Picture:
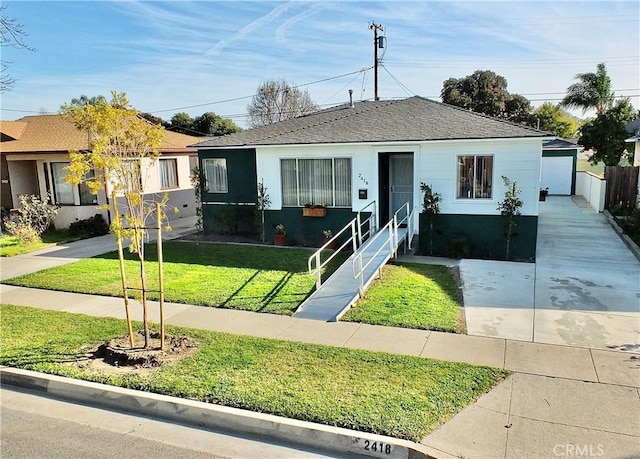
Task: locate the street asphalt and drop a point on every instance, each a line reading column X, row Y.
column 561, row 398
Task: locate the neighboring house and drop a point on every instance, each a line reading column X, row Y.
column 559, row 164
column 350, row 156
column 634, row 129
column 34, row 152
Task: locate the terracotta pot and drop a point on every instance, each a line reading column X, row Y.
column 279, row 239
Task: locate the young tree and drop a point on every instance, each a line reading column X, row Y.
column 121, row 141
column 277, row 100
column 606, row 134
column 509, row 208
column 593, row 90
column 431, row 207
column 11, row 34
column 262, row 204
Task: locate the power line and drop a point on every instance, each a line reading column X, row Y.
column 251, row 96
column 402, row 85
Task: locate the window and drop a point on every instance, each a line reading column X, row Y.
column 318, row 181
column 475, row 177
column 62, row 190
column 86, row 197
column 215, row 171
column 168, row 173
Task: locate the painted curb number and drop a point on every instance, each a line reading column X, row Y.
column 373, row 448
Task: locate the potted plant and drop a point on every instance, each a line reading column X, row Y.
column 328, row 234
column 314, row 210
column 279, row 234
column 544, row 193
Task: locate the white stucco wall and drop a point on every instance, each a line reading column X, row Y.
column 435, row 163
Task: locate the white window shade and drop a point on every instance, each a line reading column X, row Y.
column 215, row 170
column 316, row 181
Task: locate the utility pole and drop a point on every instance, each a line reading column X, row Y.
column 375, row 27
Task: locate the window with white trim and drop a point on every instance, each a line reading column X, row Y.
column 475, row 177
column 215, row 171
column 316, row 181
column 62, row 190
column 168, row 173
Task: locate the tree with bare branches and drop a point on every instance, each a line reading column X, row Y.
column 277, row 100
column 12, row 34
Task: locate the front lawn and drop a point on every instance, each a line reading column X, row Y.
column 263, row 279
column 400, row 396
column 9, row 245
column 410, row 295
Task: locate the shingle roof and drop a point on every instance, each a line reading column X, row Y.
column 560, row 144
column 51, row 133
column 412, row 119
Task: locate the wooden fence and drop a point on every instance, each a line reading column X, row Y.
column 622, row 187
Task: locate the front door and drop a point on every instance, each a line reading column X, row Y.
column 395, row 176
column 400, row 182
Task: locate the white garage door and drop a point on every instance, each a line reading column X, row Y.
column 556, row 174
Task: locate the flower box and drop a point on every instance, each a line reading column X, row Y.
column 314, row 211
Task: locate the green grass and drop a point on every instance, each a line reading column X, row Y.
column 263, row 279
column 412, row 296
column 400, row 396
column 10, row 247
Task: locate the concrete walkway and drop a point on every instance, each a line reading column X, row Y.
column 557, row 399
column 583, row 290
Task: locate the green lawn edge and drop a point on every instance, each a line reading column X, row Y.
column 400, row 396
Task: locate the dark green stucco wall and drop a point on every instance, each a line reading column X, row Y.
column 241, row 175
column 219, row 208
column 478, row 236
column 307, row 231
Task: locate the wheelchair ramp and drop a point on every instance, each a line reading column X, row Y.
column 333, row 298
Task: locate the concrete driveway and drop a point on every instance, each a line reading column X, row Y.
column 583, row 290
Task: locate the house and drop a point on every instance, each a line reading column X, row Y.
column 34, row 152
column 633, row 128
column 559, row 164
column 375, row 155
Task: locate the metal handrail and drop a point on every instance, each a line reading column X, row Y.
column 392, row 239
column 391, row 227
column 355, row 240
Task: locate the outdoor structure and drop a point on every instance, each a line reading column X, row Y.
column 558, row 169
column 34, row 152
column 374, row 155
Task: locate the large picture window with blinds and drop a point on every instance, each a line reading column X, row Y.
column 215, row 171
column 475, row 177
column 316, row 181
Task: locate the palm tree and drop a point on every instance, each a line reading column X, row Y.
column 593, row 90
column 84, row 100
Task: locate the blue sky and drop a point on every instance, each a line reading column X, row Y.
column 188, row 56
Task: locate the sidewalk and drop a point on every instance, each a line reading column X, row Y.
column 559, row 397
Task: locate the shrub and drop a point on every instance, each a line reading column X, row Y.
column 33, row 218
column 24, row 233
column 92, row 226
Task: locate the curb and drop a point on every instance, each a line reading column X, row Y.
column 626, row 239
column 226, row 419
